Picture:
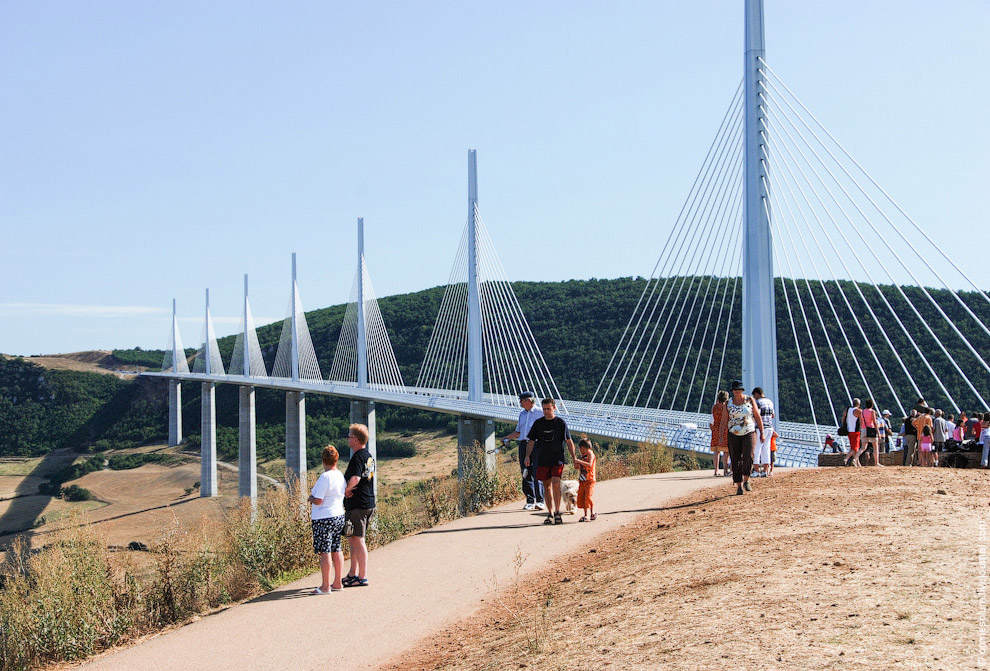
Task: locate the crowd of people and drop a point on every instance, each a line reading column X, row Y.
column 342, row 504
column 921, row 436
column 743, row 435
column 743, row 440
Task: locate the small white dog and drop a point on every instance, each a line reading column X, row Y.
column 568, row 494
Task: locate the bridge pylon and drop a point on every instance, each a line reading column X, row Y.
column 175, row 361
column 208, row 363
column 474, row 432
column 363, row 412
column 759, row 315
column 247, row 434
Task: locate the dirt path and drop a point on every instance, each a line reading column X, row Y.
column 418, row 586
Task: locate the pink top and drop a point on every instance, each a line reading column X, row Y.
column 869, row 420
column 957, row 434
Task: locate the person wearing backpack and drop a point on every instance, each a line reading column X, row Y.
column 910, row 434
column 850, row 421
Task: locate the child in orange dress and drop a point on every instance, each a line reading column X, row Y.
column 586, row 481
column 773, row 452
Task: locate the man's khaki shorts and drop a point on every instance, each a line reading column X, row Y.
column 359, row 517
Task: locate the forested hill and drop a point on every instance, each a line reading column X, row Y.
column 577, row 325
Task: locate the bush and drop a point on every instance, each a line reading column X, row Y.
column 395, row 448
column 76, row 493
column 64, row 603
column 73, row 472
column 274, row 542
column 123, row 462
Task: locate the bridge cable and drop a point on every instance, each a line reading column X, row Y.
column 883, row 298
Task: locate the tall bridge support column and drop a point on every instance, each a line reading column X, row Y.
column 174, row 412
column 759, row 316
column 247, row 446
column 474, row 434
column 363, row 412
column 295, row 440
column 208, row 484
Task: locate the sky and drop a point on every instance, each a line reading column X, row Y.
column 152, row 150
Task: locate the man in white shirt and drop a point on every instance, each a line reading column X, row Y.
column 532, row 488
column 761, row 451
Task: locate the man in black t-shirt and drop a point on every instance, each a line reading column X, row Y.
column 359, row 502
column 550, row 434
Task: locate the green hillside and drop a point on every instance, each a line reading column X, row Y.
column 577, row 325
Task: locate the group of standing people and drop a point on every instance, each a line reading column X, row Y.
column 343, row 504
column 923, row 433
column 742, row 430
column 543, row 437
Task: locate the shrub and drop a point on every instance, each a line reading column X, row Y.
column 73, row 472
column 275, row 541
column 123, row 462
column 395, row 448
column 64, row 603
column 439, row 498
column 76, row 493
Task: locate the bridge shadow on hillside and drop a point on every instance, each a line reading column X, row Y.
column 26, row 504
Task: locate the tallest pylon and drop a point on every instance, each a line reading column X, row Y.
column 759, row 321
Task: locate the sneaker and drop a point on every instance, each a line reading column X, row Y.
column 747, row 486
column 529, row 506
column 739, row 490
column 539, row 505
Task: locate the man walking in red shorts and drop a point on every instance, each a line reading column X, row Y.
column 550, row 434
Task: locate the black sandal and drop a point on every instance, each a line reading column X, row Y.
column 548, row 520
column 349, row 580
column 557, row 519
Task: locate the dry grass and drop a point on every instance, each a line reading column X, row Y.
column 76, row 596
column 822, row 569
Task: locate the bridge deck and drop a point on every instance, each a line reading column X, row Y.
column 798, row 444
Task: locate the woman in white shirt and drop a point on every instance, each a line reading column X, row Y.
column 327, row 515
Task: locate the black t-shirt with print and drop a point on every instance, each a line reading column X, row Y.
column 362, row 464
column 549, row 435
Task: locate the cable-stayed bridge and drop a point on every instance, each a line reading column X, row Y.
column 785, row 251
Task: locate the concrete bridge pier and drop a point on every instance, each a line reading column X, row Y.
column 247, row 446
column 208, row 483
column 363, row 412
column 174, row 412
column 473, row 432
column 295, row 440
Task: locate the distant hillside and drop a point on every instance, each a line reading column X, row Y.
column 576, row 323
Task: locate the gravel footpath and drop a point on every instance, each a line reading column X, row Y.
column 418, row 585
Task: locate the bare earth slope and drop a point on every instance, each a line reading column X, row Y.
column 95, row 361
column 818, row 569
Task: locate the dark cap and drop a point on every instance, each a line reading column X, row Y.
column 737, row 385
column 526, row 394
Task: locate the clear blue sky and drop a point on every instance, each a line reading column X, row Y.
column 150, row 150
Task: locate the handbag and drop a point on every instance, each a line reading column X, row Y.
column 843, row 429
column 348, row 528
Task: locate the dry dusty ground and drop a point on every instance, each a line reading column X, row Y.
column 132, row 505
column 137, row 504
column 436, row 455
column 97, row 361
column 817, row 569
